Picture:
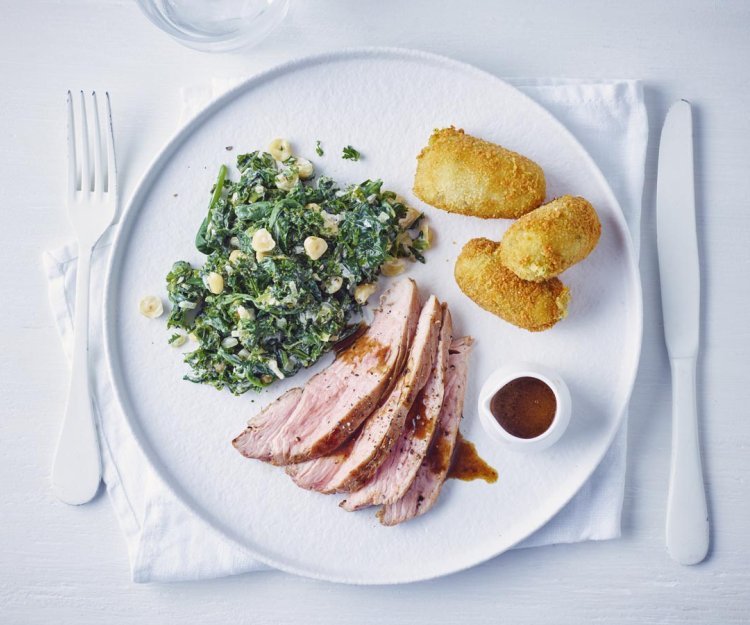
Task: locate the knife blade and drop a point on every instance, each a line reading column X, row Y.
column 676, row 237
column 679, row 270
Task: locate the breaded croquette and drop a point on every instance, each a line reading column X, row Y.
column 462, row 174
column 534, row 306
column 545, row 242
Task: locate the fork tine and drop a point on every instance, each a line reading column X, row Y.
column 85, row 163
column 111, row 163
column 72, row 165
column 98, row 158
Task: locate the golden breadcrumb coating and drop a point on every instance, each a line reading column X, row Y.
column 462, row 174
column 531, row 305
column 545, row 242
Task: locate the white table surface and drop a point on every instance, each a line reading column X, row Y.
column 69, row 565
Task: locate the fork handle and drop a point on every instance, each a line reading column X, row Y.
column 77, row 467
column 687, row 513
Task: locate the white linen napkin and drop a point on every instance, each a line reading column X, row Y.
column 166, row 542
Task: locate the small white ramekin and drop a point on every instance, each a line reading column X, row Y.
column 503, row 376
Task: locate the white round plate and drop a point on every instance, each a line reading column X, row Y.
column 385, row 103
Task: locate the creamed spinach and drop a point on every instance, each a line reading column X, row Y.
column 259, row 316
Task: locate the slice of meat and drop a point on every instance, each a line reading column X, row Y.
column 317, row 474
column 334, row 402
column 394, row 476
column 425, row 488
column 350, row 467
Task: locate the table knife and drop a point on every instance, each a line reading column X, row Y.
column 687, row 514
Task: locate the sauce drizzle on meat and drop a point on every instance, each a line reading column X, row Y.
column 364, row 346
column 347, row 342
column 418, row 421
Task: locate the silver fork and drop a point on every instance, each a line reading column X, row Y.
column 92, row 204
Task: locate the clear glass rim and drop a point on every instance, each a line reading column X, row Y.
column 273, row 17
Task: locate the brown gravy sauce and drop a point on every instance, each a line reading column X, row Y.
column 363, row 346
column 417, row 420
column 346, row 343
column 467, row 464
column 525, row 407
column 439, row 454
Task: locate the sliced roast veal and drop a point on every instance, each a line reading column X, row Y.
column 317, row 474
column 425, row 488
column 350, row 467
column 332, row 405
column 394, row 476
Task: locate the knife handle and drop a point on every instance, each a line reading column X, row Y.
column 687, row 514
